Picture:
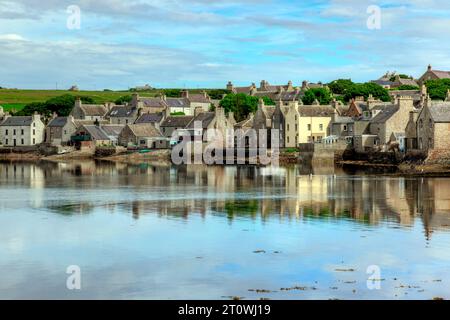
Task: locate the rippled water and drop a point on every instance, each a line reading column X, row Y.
column 157, row 232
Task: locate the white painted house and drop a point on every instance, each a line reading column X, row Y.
column 22, row 131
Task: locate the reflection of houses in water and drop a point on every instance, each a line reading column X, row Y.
column 28, row 174
column 246, row 192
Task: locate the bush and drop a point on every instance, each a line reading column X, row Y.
column 321, row 94
column 366, row 89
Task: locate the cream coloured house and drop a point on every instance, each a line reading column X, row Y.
column 306, row 124
column 22, row 131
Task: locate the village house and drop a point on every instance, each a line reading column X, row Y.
column 154, row 119
column 186, row 104
column 60, row 130
column 307, row 124
column 22, row 131
column 96, row 135
column 123, row 115
column 210, row 120
column 89, row 112
column 431, row 74
column 411, row 131
column 399, row 81
column 174, row 123
column 143, row 135
column 433, row 126
column 391, row 119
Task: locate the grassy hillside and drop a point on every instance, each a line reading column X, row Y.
column 8, row 96
column 16, row 99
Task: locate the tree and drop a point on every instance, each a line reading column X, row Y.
column 217, row 94
column 268, row 101
column 172, row 93
column 407, row 87
column 322, row 95
column 340, row 86
column 61, row 105
column 240, row 104
column 437, row 89
column 366, row 89
column 123, row 100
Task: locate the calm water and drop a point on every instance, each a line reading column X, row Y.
column 157, row 232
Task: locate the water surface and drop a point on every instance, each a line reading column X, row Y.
column 197, row 232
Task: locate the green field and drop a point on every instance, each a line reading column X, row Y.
column 16, row 99
column 11, row 96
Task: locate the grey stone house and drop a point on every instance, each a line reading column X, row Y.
column 433, row 126
column 60, row 130
column 431, row 74
column 152, row 118
column 123, row 115
column 173, row 123
column 143, row 135
column 89, row 112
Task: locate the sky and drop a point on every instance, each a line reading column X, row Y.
column 206, row 43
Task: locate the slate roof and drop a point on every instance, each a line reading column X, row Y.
column 385, row 114
column 315, row 111
column 178, row 102
column 153, row 102
column 383, row 82
column 93, row 110
column 177, row 121
column 440, row 111
column 58, row 122
column 17, row 121
column 96, row 132
column 409, row 82
column 204, row 117
column 144, row 130
column 122, row 112
column 441, row 74
column 199, row 98
column 150, row 118
column 112, row 129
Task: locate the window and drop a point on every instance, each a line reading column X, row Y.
column 22, row 141
column 34, row 124
column 287, row 139
column 345, row 128
column 126, row 121
column 65, row 131
column 288, row 127
column 14, row 132
column 296, row 127
column 22, row 132
column 34, row 132
column 7, row 142
column 309, row 127
column 6, row 132
column 34, row 141
column 321, row 127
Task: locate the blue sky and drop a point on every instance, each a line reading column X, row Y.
column 205, row 43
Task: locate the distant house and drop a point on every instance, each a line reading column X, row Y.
column 142, row 135
column 60, row 130
column 91, row 112
column 433, row 125
column 431, row 74
column 123, row 115
column 144, row 88
column 22, row 131
column 399, row 81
